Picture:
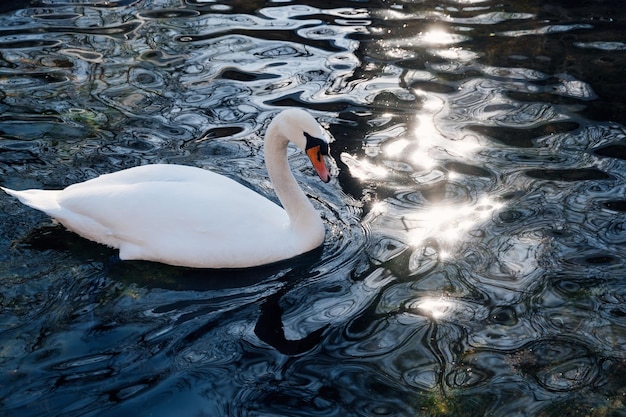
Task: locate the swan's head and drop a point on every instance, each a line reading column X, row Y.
column 303, row 130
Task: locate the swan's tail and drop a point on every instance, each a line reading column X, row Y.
column 44, row 200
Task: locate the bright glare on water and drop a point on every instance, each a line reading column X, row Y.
column 475, row 255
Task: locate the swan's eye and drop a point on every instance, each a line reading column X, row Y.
column 313, row 142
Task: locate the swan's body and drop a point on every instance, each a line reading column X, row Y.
column 186, row 216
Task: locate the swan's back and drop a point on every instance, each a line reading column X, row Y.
column 172, row 214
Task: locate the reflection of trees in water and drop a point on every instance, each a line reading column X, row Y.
column 493, row 216
column 495, row 113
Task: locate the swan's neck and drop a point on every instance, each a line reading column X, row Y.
column 303, row 216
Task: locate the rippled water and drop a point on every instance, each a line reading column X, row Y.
column 475, row 257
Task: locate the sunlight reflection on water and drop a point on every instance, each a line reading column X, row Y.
column 475, row 249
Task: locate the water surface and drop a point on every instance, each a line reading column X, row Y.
column 475, row 254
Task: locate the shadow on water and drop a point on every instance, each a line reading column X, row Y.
column 154, row 275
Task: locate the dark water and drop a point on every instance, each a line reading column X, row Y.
column 476, row 250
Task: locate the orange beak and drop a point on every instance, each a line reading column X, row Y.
column 315, row 155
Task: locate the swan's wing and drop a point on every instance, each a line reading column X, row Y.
column 174, row 214
column 149, row 173
column 174, row 217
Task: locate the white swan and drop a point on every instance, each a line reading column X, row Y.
column 186, row 216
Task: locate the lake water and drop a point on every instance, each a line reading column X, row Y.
column 476, row 248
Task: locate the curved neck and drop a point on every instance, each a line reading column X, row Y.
column 301, row 212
